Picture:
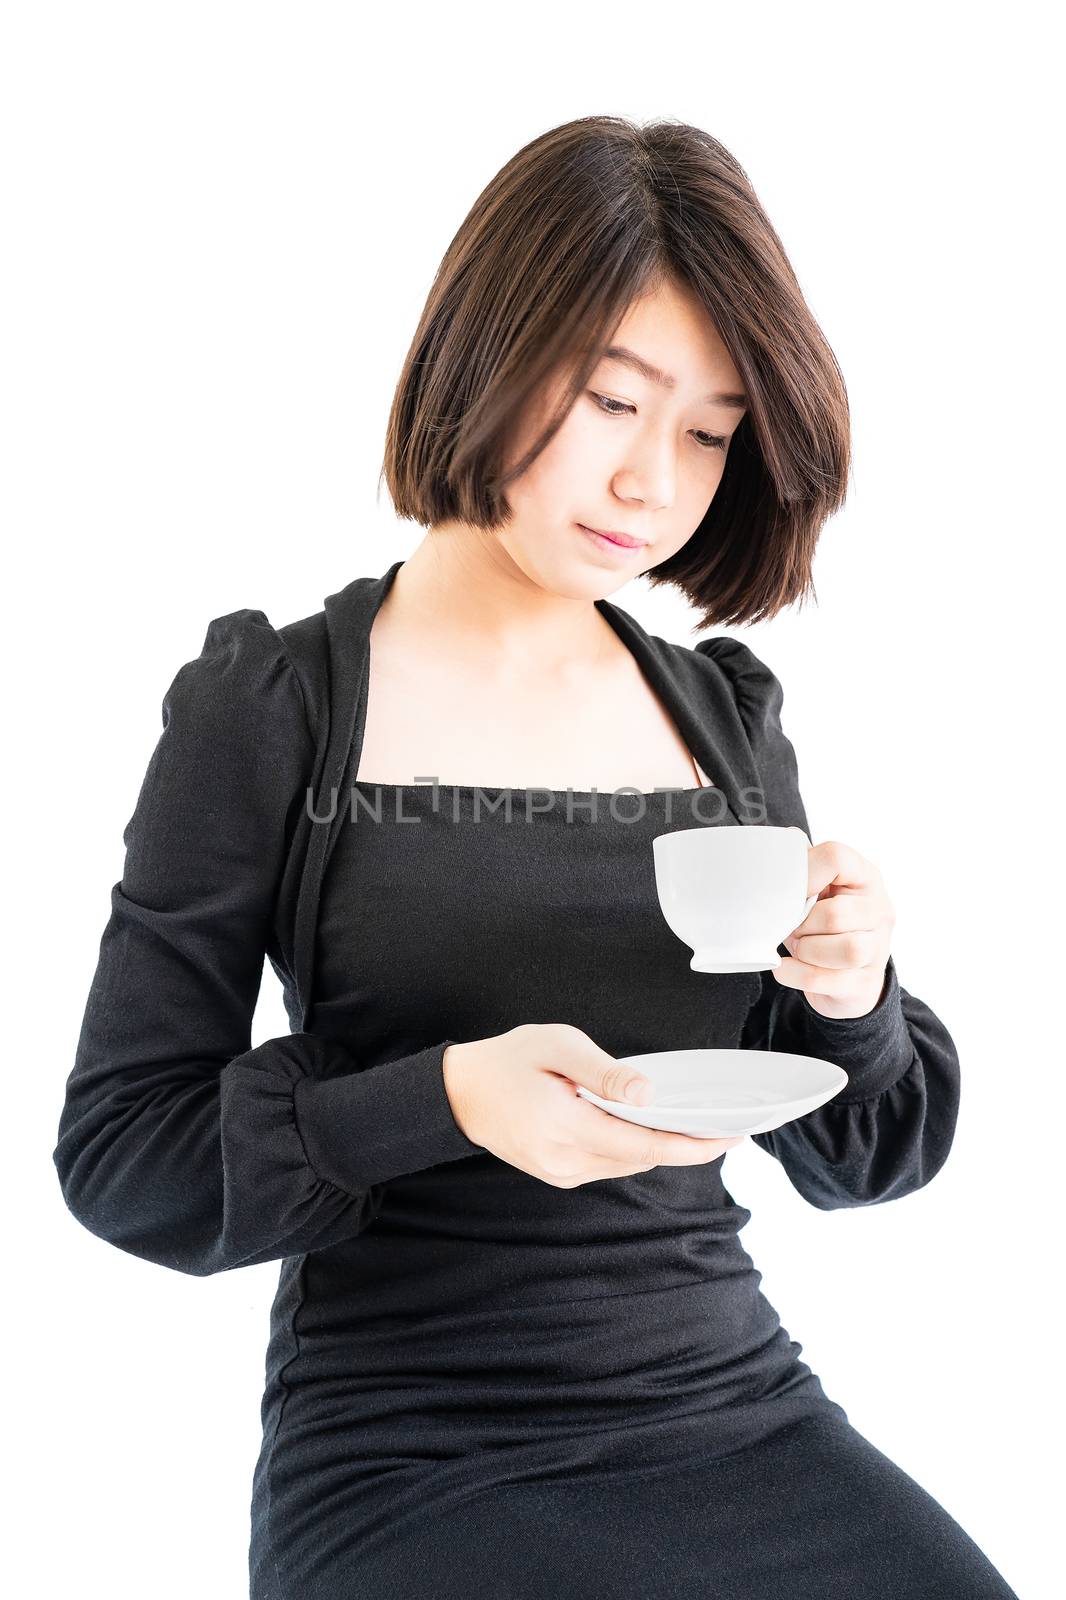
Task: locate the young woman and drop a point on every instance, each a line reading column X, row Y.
column 517, row 1347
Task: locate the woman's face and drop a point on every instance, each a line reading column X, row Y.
column 634, row 455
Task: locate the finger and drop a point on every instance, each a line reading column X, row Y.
column 844, row 913
column 616, row 1140
column 704, row 1151
column 836, row 983
column 838, row 864
column 833, row 950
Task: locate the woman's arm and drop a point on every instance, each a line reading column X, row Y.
column 178, row 1142
column 890, row 1129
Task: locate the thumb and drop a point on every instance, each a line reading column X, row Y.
column 593, row 1068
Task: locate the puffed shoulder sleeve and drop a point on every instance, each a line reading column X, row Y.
column 759, row 698
column 178, row 1142
column 890, row 1129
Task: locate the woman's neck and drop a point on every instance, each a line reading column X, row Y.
column 461, row 593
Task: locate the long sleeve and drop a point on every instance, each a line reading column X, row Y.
column 178, row 1143
column 890, row 1129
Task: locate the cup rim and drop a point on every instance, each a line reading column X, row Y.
column 756, row 827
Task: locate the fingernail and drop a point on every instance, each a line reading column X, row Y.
column 633, row 1088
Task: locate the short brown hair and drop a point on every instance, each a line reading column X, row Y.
column 577, row 225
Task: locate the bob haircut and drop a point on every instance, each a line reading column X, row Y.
column 581, row 222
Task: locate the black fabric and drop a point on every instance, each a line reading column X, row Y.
column 812, row 1512
column 446, row 1327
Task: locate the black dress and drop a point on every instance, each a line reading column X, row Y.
column 475, row 1378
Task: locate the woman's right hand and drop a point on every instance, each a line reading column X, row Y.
column 515, row 1094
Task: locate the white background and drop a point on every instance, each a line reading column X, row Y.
column 221, row 223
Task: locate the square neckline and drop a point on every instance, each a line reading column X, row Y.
column 701, row 704
column 362, row 708
column 529, row 788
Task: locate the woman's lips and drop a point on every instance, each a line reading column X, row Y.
column 616, row 541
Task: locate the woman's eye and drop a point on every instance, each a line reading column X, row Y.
column 710, row 441
column 604, row 401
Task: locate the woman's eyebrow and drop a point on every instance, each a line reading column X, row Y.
column 654, row 374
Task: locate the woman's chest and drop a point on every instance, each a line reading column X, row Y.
column 452, row 915
column 460, row 728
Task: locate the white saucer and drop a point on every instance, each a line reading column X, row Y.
column 716, row 1094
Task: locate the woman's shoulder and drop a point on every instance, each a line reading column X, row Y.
column 755, row 686
column 306, row 664
column 725, row 669
column 723, row 673
column 252, row 680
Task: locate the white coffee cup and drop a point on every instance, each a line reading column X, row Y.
column 733, row 893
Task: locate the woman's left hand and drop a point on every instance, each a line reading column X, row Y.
column 840, row 950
